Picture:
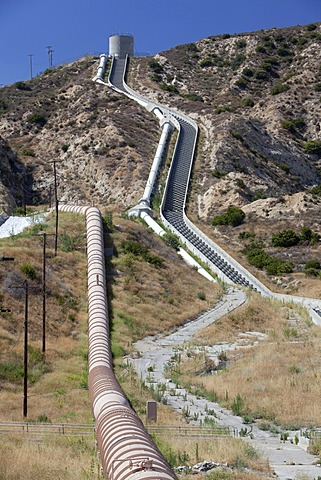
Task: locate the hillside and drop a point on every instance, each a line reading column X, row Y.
column 256, row 99
column 94, row 135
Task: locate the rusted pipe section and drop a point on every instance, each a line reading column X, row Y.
column 127, row 451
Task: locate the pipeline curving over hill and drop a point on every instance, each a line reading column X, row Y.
column 127, row 452
column 174, row 199
column 172, row 209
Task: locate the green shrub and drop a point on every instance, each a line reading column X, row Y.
column 307, row 235
column 171, row 240
column 246, row 235
column 284, row 51
column 156, row 78
column 117, row 350
column 257, row 257
column 285, row 238
column 261, row 75
column 240, row 44
column 237, row 406
column 191, row 47
column 169, row 88
column 284, row 167
column 218, row 174
column 37, row 119
column 22, row 86
column 132, row 246
column 194, row 97
column 241, row 83
column 153, row 259
column 28, row 270
column 316, row 190
column 311, row 27
column 278, row 267
column 27, row 153
column 234, row 216
column 312, row 147
column 247, row 102
column 69, row 243
column 279, row 88
column 222, row 109
column 315, row 264
column 207, row 62
column 64, row 147
column 248, row 72
column 107, row 220
column 237, row 61
column 156, row 67
column 139, row 250
column 201, row 296
column 3, row 106
column 294, row 124
column 11, row 372
column 236, row 135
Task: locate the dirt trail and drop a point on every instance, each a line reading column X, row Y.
column 286, row 459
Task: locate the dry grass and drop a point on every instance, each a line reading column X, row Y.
column 239, row 456
column 57, row 392
column 145, row 300
column 22, row 458
column 149, row 299
column 279, row 378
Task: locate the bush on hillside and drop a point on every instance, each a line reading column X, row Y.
column 234, row 216
column 37, row 119
column 285, row 238
column 312, row 147
column 28, row 270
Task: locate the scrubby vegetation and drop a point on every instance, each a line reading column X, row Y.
column 234, row 216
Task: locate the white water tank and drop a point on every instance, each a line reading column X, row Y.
column 121, row 45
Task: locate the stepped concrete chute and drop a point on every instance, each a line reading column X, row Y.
column 174, row 200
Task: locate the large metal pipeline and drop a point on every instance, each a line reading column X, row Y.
column 159, row 155
column 127, row 451
column 101, row 69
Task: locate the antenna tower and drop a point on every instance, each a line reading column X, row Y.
column 50, row 51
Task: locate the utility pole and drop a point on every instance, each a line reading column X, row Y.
column 44, row 288
column 44, row 292
column 50, row 51
column 26, row 288
column 56, row 207
column 30, row 61
column 25, row 356
column 56, row 203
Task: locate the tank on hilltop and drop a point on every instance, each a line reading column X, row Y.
column 121, row 45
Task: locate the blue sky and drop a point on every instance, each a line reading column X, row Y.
column 75, row 28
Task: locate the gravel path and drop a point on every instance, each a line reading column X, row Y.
column 286, row 459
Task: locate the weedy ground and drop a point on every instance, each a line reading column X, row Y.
column 151, row 291
column 276, row 381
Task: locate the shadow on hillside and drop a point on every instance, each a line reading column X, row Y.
column 17, row 180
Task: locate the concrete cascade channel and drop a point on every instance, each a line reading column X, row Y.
column 286, row 459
